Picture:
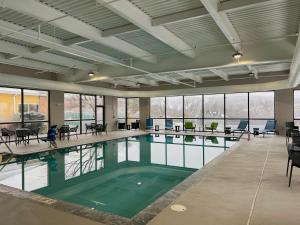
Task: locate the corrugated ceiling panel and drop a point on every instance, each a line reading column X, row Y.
column 156, row 8
column 18, row 42
column 198, row 32
column 89, row 12
column 32, row 23
column 70, row 56
column 147, row 42
column 105, row 50
column 269, row 21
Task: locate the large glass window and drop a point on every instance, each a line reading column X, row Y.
column 297, row 107
column 226, row 109
column 214, row 106
column 82, row 110
column 174, row 107
column 24, row 108
column 236, row 108
column 10, row 104
column 133, row 109
column 261, row 108
column 122, row 110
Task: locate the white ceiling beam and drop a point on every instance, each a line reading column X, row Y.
column 11, row 56
column 130, row 12
column 119, row 30
column 180, row 16
column 31, row 64
column 123, row 83
column 235, row 5
column 220, row 73
column 59, row 19
column 191, row 76
column 25, row 52
column 170, row 80
column 18, row 32
column 294, row 78
column 253, row 70
column 76, row 41
column 223, row 22
column 146, row 81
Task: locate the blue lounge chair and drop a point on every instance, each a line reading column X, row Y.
column 149, row 124
column 169, row 124
column 241, row 127
column 269, row 128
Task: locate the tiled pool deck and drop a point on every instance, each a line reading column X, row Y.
column 246, row 185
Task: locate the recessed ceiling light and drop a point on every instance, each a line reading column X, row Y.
column 237, row 55
column 251, row 74
column 91, row 74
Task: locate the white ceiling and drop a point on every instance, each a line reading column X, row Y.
column 155, row 43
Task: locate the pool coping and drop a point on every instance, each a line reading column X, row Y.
column 142, row 218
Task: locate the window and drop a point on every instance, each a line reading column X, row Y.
column 297, row 107
column 214, row 106
column 81, row 110
column 24, row 108
column 133, row 109
column 122, row 110
column 261, row 108
column 236, row 108
column 157, row 107
column 193, row 111
column 214, row 110
column 174, row 107
column 11, row 105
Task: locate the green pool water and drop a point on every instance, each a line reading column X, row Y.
column 121, row 177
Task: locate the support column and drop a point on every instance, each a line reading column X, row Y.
column 144, row 111
column 57, row 108
column 111, row 112
column 284, row 104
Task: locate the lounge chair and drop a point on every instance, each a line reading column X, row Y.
column 149, row 124
column 189, row 126
column 189, row 138
column 241, row 127
column 169, row 124
column 269, row 128
column 213, row 140
column 213, row 126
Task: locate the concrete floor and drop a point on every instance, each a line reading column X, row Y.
column 245, row 186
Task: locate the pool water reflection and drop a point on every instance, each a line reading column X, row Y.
column 120, row 176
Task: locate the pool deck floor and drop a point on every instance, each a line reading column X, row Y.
column 244, row 186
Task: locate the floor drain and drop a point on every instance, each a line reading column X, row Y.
column 178, row 208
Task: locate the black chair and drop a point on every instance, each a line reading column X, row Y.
column 292, row 147
column 289, row 128
column 22, row 135
column 295, row 157
column 6, row 133
column 121, row 126
column 73, row 130
column 35, row 132
column 135, row 125
column 99, row 128
column 63, row 131
column 91, row 127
